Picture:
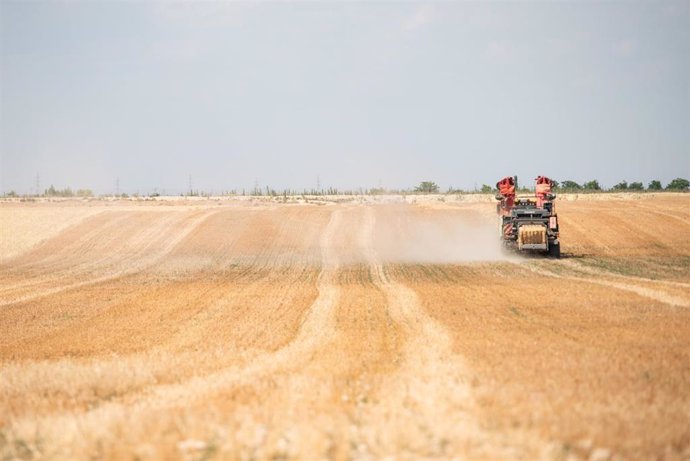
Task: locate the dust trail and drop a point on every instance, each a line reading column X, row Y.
column 413, row 234
column 430, row 394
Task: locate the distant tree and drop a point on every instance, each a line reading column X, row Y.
column 84, row 193
column 654, row 185
column 592, row 185
column 623, row 185
column 636, row 186
column 678, row 184
column 11, row 194
column 555, row 184
column 53, row 192
column 427, row 187
column 570, row 185
column 487, row 189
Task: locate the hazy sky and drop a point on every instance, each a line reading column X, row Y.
column 359, row 94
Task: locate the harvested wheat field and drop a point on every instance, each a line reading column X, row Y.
column 228, row 329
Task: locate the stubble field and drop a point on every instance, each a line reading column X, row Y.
column 256, row 330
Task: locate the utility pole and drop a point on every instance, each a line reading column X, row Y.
column 38, row 185
column 190, row 184
column 318, row 184
column 117, row 186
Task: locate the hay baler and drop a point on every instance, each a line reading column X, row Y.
column 528, row 223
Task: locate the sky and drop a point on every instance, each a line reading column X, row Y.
column 342, row 94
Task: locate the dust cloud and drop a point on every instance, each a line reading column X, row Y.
column 408, row 234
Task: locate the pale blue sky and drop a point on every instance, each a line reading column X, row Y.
column 356, row 93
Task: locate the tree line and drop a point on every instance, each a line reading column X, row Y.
column 424, row 187
column 53, row 192
column 678, row 184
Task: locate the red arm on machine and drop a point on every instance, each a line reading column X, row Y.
column 543, row 190
column 506, row 187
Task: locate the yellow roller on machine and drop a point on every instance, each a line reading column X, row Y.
column 532, row 237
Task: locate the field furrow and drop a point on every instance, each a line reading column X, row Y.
column 62, row 265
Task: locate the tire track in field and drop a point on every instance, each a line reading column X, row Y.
column 649, row 293
column 683, row 221
column 429, row 398
column 66, row 254
column 114, row 267
column 224, row 318
column 571, row 225
column 46, row 262
column 316, row 331
column 599, row 272
column 25, row 228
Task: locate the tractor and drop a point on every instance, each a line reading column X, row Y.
column 528, row 223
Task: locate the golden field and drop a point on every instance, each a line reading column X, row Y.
column 252, row 330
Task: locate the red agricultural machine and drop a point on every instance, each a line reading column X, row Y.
column 528, row 223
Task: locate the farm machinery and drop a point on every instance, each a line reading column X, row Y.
column 528, row 223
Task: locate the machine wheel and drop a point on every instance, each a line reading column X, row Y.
column 555, row 249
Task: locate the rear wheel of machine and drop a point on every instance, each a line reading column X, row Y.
column 555, row 250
